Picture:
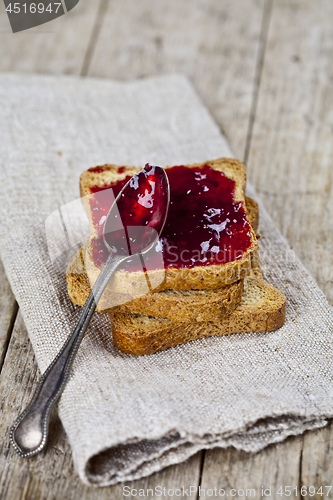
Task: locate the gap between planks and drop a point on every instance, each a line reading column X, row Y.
column 94, row 36
column 267, row 13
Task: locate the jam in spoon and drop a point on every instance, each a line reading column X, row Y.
column 133, row 225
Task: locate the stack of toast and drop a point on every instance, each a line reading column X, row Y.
column 193, row 300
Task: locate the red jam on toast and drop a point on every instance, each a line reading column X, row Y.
column 205, row 226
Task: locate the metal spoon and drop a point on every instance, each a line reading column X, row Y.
column 140, row 210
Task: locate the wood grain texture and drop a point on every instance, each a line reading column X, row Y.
column 50, row 475
column 291, row 153
column 8, row 311
column 290, row 163
column 299, row 461
column 317, row 458
column 59, row 46
column 232, row 469
column 216, row 44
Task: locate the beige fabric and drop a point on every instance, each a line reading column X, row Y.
column 128, row 416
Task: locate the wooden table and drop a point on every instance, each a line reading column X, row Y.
column 264, row 69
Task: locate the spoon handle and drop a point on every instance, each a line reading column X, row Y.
column 29, row 431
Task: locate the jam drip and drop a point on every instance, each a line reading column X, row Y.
column 204, row 225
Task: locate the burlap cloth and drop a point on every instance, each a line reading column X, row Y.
column 128, row 416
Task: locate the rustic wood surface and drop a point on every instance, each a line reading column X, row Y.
column 291, row 153
column 264, row 69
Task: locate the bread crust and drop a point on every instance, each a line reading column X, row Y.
column 188, row 305
column 252, row 212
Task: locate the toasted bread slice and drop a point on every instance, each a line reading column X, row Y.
column 262, row 309
column 134, row 283
column 179, row 305
column 188, row 305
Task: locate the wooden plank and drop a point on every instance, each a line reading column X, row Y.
column 291, row 153
column 59, row 46
column 290, row 163
column 316, row 466
column 254, row 476
column 8, row 311
column 50, row 474
column 183, row 477
column 214, row 43
column 301, row 461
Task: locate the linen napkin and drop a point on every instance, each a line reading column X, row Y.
column 128, row 416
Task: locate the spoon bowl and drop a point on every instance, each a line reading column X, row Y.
column 140, row 211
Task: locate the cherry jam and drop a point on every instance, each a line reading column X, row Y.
column 204, row 225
